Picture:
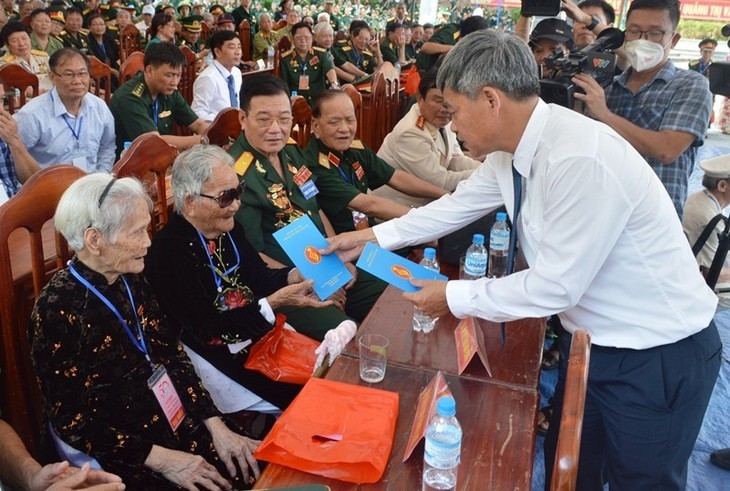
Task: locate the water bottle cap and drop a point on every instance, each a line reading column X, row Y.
column 127, row 145
column 446, row 406
column 501, row 216
column 294, row 93
column 429, row 253
column 478, row 239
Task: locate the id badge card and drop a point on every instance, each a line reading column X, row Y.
column 309, row 189
column 304, row 82
column 167, row 397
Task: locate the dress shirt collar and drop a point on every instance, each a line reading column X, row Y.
column 223, row 69
column 59, row 109
column 527, row 147
column 712, row 198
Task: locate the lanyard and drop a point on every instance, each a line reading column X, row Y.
column 102, row 48
column 304, row 65
column 225, row 77
column 155, row 107
column 334, row 160
column 216, row 276
column 76, row 128
column 358, row 57
column 139, row 344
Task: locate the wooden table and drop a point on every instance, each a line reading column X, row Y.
column 497, row 446
column 518, row 364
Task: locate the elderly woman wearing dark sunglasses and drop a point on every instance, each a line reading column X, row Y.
column 117, row 386
column 209, row 278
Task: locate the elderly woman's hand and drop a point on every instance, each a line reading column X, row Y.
column 234, row 448
column 188, row 471
column 296, row 295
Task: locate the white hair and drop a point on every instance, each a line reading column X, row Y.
column 322, row 27
column 323, row 17
column 80, row 207
column 192, row 168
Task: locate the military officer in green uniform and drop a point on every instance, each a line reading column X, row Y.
column 192, row 26
column 357, row 50
column 74, row 36
column 329, row 10
column 150, row 101
column 346, row 170
column 440, row 43
column 279, row 189
column 307, row 70
column 393, row 46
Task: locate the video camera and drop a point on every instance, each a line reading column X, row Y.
column 596, row 60
column 720, row 72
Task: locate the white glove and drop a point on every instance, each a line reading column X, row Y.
column 334, row 342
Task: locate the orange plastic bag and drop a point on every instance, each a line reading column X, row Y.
column 283, row 355
column 335, row 430
column 412, row 80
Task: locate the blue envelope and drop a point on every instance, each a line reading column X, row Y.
column 301, row 241
column 394, row 269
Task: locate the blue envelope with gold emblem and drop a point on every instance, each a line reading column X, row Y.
column 301, row 240
column 394, row 269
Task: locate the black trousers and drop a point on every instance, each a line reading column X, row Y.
column 643, row 412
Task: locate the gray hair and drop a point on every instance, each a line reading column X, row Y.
column 193, row 168
column 323, row 17
column 262, row 15
column 79, row 207
column 322, row 27
column 488, row 58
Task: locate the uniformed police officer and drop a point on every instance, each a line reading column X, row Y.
column 150, row 101
column 279, row 189
column 307, row 70
column 346, row 170
column 702, row 65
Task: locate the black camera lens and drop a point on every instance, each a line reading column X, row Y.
column 726, row 30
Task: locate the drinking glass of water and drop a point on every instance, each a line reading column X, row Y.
column 373, row 357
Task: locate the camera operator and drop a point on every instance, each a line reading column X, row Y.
column 661, row 110
column 548, row 37
column 590, row 17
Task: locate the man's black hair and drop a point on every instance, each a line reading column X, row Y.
column 672, row 6
column 608, row 10
column 11, row 28
column 262, row 85
column 472, row 24
column 163, row 53
column 219, row 38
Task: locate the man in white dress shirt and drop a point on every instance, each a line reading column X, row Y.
column 218, row 86
column 605, row 251
column 68, row 125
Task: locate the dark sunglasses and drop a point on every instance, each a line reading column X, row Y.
column 225, row 198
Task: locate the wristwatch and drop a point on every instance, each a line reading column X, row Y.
column 594, row 22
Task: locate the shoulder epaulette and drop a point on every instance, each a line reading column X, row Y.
column 323, row 160
column 86, row 11
column 694, row 62
column 420, row 122
column 39, row 52
column 357, row 145
column 291, row 141
column 366, row 52
column 8, row 58
column 287, row 53
column 138, row 89
column 83, row 31
column 317, row 48
column 243, row 163
column 456, row 34
column 346, row 48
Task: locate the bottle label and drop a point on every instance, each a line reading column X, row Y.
column 442, row 455
column 475, row 265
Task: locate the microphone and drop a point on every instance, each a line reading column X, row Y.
column 609, row 39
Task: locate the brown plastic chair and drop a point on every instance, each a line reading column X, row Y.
column 302, row 121
column 130, row 41
column 225, row 128
column 24, row 217
column 149, row 159
column 101, row 79
column 565, row 468
column 13, row 77
column 356, row 98
column 244, row 35
column 282, row 46
column 188, row 76
column 204, row 32
column 132, row 66
column 279, row 25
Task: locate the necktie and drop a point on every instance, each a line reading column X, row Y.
column 232, row 91
column 517, row 187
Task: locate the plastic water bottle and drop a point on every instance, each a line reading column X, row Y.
column 270, row 57
column 443, row 448
column 475, row 263
column 294, row 93
column 209, row 58
column 398, row 67
column 499, row 247
column 16, row 98
column 126, row 147
column 422, row 322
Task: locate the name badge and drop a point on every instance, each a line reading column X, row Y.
column 165, row 114
column 166, row 395
column 304, row 82
column 309, row 189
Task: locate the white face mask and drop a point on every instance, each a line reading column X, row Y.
column 643, row 54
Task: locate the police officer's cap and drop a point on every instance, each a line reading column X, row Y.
column 719, row 167
column 192, row 23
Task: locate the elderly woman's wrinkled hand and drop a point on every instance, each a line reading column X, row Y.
column 191, row 472
column 297, row 295
column 233, row 449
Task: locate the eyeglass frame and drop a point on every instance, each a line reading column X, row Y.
column 636, row 34
column 71, row 76
column 238, row 190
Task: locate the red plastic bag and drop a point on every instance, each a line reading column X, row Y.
column 336, row 430
column 283, row 355
column 412, row 80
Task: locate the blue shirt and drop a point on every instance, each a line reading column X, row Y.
column 677, row 100
column 53, row 136
column 8, row 176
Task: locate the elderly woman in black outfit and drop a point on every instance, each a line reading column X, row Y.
column 210, row 279
column 115, row 381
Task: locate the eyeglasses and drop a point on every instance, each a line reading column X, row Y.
column 267, row 121
column 652, row 35
column 69, row 76
column 227, row 197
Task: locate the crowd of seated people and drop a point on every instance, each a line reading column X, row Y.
column 228, row 204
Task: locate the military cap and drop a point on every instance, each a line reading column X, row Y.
column 225, row 19
column 718, row 167
column 192, row 23
column 184, row 4
column 57, row 15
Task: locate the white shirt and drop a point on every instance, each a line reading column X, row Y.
column 700, row 208
column 3, row 194
column 210, row 90
column 142, row 28
column 603, row 242
column 53, row 136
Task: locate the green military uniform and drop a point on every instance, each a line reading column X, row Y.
column 449, row 35
column 334, row 21
column 195, row 47
column 135, row 112
column 696, row 66
column 389, row 50
column 412, row 51
column 112, row 31
column 261, row 43
column 54, row 44
column 307, row 77
column 240, row 14
column 365, row 61
column 343, row 176
column 80, row 41
column 194, row 25
column 269, row 204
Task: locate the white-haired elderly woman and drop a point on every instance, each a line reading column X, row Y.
column 324, row 37
column 116, row 384
column 211, row 280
